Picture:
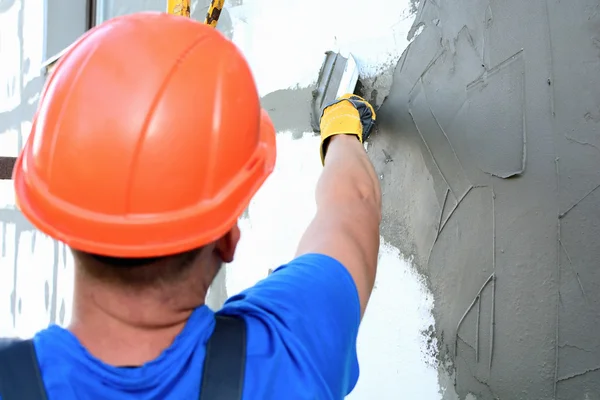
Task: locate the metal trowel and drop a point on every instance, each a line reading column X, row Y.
column 338, row 76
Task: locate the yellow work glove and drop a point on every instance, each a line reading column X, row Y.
column 348, row 115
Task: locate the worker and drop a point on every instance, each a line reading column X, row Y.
column 143, row 154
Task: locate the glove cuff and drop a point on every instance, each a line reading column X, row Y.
column 325, row 143
column 340, row 118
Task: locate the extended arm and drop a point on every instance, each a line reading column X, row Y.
column 310, row 308
column 346, row 226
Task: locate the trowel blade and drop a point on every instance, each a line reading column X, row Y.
column 338, row 76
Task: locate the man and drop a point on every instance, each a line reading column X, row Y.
column 143, row 154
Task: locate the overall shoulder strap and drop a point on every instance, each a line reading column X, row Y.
column 20, row 377
column 222, row 379
column 225, row 362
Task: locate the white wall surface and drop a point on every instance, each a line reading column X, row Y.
column 284, row 42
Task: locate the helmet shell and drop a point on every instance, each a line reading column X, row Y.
column 149, row 140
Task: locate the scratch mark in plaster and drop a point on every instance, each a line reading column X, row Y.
column 430, row 152
column 442, row 212
column 435, row 58
column 493, row 228
column 470, row 39
column 572, row 346
column 558, row 273
column 562, row 245
column 524, row 108
column 483, row 81
column 433, row 61
column 575, row 375
column 459, row 202
column 477, row 329
column 493, row 320
column 571, row 139
column 489, row 19
column 456, row 206
column 437, row 122
column 493, row 316
column 562, row 215
column 477, row 297
column 404, row 56
column 551, row 66
column 440, row 228
column 465, row 342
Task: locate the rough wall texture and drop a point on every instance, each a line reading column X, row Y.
column 489, row 155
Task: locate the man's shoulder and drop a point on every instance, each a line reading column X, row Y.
column 54, row 334
column 44, row 336
column 300, row 285
column 310, row 277
column 308, row 298
column 308, row 310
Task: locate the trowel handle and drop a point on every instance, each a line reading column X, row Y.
column 182, row 8
column 214, row 12
column 179, row 7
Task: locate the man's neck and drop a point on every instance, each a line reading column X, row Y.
column 128, row 329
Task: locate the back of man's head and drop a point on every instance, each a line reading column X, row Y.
column 138, row 273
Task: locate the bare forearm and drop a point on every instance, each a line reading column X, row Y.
column 346, row 226
column 349, row 179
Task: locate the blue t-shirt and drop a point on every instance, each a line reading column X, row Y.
column 302, row 326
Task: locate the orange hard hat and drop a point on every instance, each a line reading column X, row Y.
column 149, row 140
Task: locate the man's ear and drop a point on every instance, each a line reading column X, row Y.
column 227, row 244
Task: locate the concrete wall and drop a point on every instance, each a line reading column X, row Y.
column 396, row 343
column 492, row 126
